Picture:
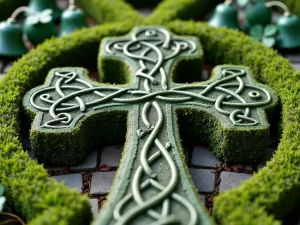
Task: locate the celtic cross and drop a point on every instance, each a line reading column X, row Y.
column 152, row 185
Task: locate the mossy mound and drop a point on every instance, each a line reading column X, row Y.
column 270, row 194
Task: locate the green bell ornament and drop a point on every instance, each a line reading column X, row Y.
column 37, row 6
column 258, row 13
column 39, row 27
column 225, row 15
column 72, row 19
column 288, row 27
column 11, row 36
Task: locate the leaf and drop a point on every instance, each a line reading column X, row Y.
column 242, row 3
column 46, row 16
column 1, row 190
column 270, row 30
column 2, row 202
column 33, row 19
column 256, row 31
column 269, row 41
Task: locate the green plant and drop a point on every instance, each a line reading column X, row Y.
column 264, row 199
column 266, row 35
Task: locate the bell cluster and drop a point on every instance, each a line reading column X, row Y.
column 40, row 23
column 283, row 34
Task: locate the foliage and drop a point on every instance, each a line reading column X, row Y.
column 271, row 193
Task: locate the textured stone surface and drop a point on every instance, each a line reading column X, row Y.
column 94, row 206
column 101, row 182
column 293, row 57
column 267, row 156
column 70, row 180
column 204, row 180
column 89, row 163
column 204, row 157
column 297, row 66
column 7, row 68
column 230, row 180
column 111, row 156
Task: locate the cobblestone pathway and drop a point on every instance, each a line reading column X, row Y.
column 211, row 176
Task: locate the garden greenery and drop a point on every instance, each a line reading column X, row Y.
column 264, row 199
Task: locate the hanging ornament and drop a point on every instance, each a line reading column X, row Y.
column 258, row 13
column 225, row 15
column 39, row 27
column 11, row 35
column 288, row 27
column 72, row 19
column 37, row 6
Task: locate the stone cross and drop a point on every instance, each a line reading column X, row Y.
column 152, row 185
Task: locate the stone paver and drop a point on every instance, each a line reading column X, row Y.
column 293, row 57
column 70, row 180
column 94, row 206
column 101, row 182
column 204, row 180
column 297, row 66
column 267, row 156
column 89, row 163
column 204, row 157
column 230, row 180
column 111, row 156
column 7, row 68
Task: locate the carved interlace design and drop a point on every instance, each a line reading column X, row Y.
column 151, row 49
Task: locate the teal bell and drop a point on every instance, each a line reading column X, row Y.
column 258, row 13
column 289, row 32
column 11, row 36
column 37, row 6
column 72, row 19
column 39, row 27
column 288, row 27
column 11, row 40
column 225, row 15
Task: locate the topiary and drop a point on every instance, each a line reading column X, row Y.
column 270, row 194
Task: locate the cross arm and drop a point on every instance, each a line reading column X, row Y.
column 228, row 112
column 64, row 111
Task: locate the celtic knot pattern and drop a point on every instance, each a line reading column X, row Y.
column 231, row 95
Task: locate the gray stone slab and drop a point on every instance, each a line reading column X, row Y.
column 204, row 180
column 111, row 156
column 70, row 180
column 204, row 157
column 94, row 206
column 2, row 75
column 267, row 156
column 101, row 182
column 230, row 180
column 297, row 66
column 89, row 163
column 293, row 57
column 7, row 68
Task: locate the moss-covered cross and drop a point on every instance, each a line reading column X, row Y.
column 152, row 186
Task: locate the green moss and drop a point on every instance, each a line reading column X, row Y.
column 276, row 188
column 270, row 194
